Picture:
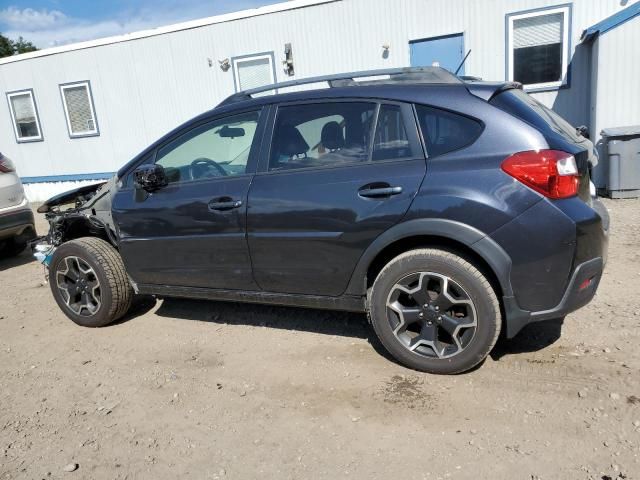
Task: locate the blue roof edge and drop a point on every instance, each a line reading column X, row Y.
column 68, row 178
column 611, row 22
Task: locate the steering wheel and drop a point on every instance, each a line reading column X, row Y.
column 202, row 167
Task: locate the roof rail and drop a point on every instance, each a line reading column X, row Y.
column 432, row 75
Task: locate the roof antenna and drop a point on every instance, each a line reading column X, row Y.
column 462, row 63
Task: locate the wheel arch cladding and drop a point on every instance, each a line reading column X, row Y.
column 460, row 238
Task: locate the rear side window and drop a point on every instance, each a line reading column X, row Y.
column 321, row 134
column 444, row 131
column 526, row 108
column 391, row 141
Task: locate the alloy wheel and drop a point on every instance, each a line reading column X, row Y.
column 78, row 285
column 431, row 315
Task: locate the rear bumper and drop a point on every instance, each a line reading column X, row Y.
column 580, row 291
column 17, row 223
column 590, row 244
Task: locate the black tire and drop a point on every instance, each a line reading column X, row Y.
column 12, row 247
column 113, row 292
column 463, row 277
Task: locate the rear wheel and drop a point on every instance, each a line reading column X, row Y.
column 434, row 311
column 89, row 282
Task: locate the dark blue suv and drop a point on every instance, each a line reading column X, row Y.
column 448, row 210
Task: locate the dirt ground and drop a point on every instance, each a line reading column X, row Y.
column 205, row 390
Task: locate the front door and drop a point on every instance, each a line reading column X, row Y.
column 446, row 52
column 338, row 174
column 192, row 232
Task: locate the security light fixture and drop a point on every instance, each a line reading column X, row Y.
column 288, row 61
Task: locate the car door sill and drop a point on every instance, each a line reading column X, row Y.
column 349, row 303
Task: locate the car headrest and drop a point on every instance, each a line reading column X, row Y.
column 331, row 136
column 291, row 142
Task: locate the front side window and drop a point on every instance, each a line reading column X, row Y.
column 217, row 149
column 79, row 110
column 445, row 131
column 538, row 47
column 321, row 135
column 24, row 115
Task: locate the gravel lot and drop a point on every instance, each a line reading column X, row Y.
column 184, row 389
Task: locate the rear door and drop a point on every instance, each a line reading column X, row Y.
column 336, row 175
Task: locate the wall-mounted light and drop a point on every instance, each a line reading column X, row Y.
column 225, row 64
column 385, row 50
column 287, row 64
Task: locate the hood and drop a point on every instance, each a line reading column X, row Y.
column 77, row 195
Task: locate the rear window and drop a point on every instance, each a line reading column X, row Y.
column 445, row 131
column 526, row 108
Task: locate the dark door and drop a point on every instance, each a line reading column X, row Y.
column 326, row 189
column 192, row 232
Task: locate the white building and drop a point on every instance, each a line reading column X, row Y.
column 78, row 112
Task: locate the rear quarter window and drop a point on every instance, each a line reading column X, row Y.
column 445, row 131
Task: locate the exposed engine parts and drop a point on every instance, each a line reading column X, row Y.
column 83, row 212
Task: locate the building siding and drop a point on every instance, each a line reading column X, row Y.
column 143, row 88
column 615, row 98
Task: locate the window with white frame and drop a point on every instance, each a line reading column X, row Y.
column 24, row 114
column 538, row 47
column 78, row 109
column 253, row 71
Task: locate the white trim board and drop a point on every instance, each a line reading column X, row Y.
column 65, row 106
column 201, row 22
column 237, row 61
column 566, row 44
column 14, row 121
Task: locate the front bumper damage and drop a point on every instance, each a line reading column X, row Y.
column 85, row 211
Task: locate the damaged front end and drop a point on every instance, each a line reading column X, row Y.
column 83, row 212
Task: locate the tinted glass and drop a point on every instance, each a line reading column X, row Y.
column 445, row 131
column 527, row 108
column 217, row 149
column 321, row 134
column 538, row 64
column 391, row 141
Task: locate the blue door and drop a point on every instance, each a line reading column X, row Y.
column 447, row 51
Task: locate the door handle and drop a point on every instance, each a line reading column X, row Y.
column 379, row 190
column 224, row 203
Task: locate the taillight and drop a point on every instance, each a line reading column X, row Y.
column 6, row 165
column 552, row 173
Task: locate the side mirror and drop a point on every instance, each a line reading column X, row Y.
column 150, row 177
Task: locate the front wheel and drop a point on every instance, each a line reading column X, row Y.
column 434, row 311
column 89, row 282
